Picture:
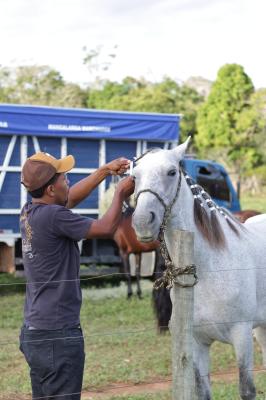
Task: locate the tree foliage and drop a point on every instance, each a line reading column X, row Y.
column 143, row 96
column 227, row 121
column 39, row 85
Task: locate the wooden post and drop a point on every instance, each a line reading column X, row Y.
column 181, row 244
column 7, row 258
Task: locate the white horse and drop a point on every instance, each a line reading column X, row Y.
column 230, row 296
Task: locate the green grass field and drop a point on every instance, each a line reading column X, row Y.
column 122, row 347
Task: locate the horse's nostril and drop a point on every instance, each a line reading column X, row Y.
column 152, row 216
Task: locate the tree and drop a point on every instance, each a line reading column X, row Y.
column 258, row 107
column 39, row 85
column 142, row 96
column 98, row 61
column 226, row 120
column 253, row 123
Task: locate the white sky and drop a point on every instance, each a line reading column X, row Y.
column 179, row 38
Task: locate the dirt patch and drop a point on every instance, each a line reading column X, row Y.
column 125, row 390
column 122, row 389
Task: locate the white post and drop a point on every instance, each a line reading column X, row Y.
column 144, row 146
column 102, row 161
column 23, row 158
column 36, row 145
column 7, row 160
column 181, row 324
column 63, row 147
column 138, row 149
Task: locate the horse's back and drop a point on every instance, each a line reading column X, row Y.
column 259, row 219
column 256, row 239
column 256, row 229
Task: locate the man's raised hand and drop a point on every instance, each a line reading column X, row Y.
column 118, row 166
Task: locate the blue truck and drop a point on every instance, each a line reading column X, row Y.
column 94, row 138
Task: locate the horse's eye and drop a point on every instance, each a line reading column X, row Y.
column 172, row 172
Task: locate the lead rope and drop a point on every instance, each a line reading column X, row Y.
column 171, row 273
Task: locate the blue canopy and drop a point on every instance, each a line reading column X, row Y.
column 84, row 123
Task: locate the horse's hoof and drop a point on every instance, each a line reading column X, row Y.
column 129, row 296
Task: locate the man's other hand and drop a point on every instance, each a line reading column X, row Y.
column 118, row 166
column 126, row 186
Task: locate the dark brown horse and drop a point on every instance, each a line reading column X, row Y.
column 128, row 243
column 245, row 214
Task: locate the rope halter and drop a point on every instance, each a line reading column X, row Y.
column 171, row 273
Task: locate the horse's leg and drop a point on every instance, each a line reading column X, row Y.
column 260, row 334
column 163, row 308
column 162, row 303
column 125, row 259
column 242, row 341
column 201, row 366
column 138, row 266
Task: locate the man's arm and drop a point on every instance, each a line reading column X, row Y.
column 107, row 225
column 83, row 188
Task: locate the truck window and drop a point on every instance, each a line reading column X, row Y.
column 214, row 182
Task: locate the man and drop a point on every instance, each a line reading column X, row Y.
column 51, row 337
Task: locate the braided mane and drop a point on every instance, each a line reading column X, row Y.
column 205, row 215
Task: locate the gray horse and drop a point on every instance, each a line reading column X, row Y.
column 230, row 297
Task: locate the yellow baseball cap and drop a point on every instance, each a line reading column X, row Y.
column 41, row 167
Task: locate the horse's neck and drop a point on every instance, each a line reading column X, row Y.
column 182, row 218
column 182, row 215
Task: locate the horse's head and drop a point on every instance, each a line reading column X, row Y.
column 157, row 178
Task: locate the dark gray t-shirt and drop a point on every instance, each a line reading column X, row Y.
column 51, row 261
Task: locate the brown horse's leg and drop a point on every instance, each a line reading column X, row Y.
column 138, row 266
column 125, row 260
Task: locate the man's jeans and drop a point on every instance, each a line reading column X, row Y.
column 56, row 360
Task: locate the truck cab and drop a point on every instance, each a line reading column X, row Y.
column 214, row 178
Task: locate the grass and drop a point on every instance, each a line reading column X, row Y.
column 122, row 346
column 11, row 284
column 253, row 202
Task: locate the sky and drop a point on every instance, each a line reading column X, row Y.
column 151, row 38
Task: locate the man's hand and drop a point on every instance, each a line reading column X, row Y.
column 126, row 186
column 118, row 166
column 107, row 225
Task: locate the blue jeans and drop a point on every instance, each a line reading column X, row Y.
column 56, row 360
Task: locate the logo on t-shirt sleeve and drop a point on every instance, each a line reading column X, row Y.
column 26, row 233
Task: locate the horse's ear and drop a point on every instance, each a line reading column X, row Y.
column 181, row 149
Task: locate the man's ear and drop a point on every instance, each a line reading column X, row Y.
column 50, row 190
column 179, row 151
